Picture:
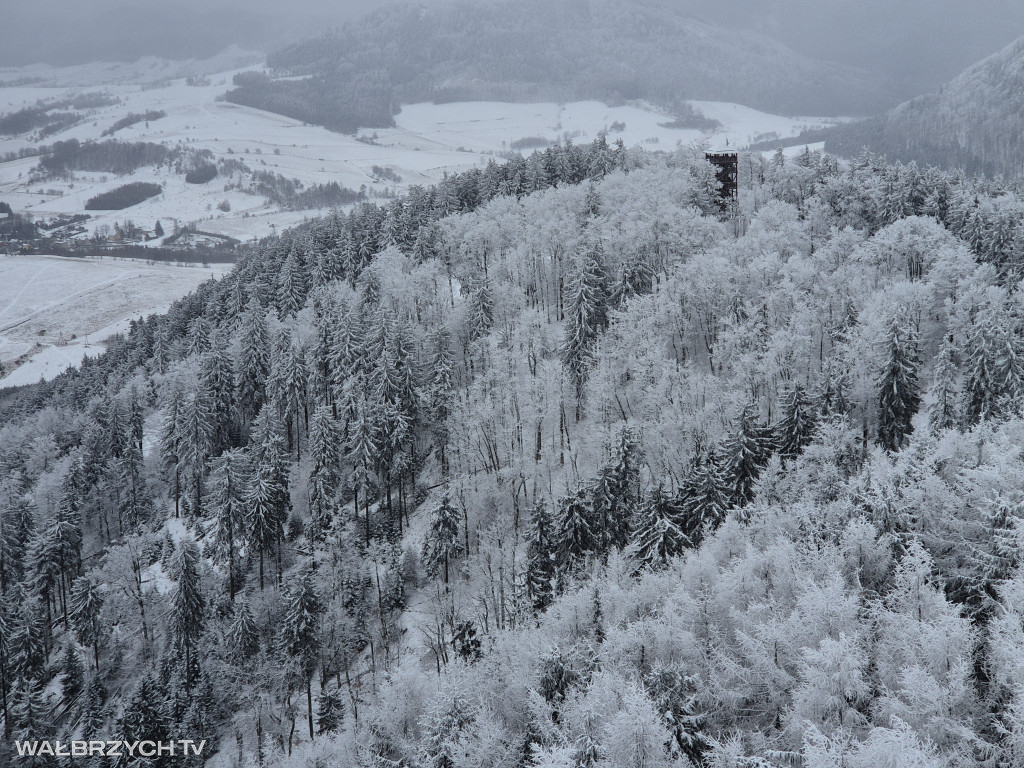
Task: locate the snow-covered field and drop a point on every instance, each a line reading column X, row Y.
column 429, row 140
column 54, row 311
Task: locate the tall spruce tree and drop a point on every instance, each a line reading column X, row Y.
column 993, row 358
column 586, row 317
column 616, row 493
column 72, row 674
column 330, row 711
column 442, row 393
column 144, row 717
column 93, row 711
column 443, row 542
column 86, row 603
column 480, row 311
column 252, row 366
column 229, row 483
column 267, row 499
column 945, row 410
column 216, row 380
column 541, row 556
column 196, row 430
column 898, row 389
column 579, row 534
column 659, row 533
column 293, row 283
column 704, row 497
column 325, row 451
column 170, row 442
column 187, row 616
column 243, row 633
column 300, row 632
column 795, row 428
column 362, row 452
column 746, row 451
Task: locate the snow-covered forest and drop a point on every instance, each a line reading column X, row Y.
column 551, row 465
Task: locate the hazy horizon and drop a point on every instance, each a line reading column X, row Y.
column 916, row 44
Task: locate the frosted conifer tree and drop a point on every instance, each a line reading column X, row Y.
column 330, row 711
column 362, row 452
column 188, row 606
column 144, row 717
column 579, row 533
column 267, row 499
column 659, row 532
column 945, row 410
column 196, row 430
column 93, row 712
column 898, row 389
column 480, row 311
column 705, row 497
column 252, row 368
column 442, row 393
column 243, row 634
column 170, row 443
column 615, row 493
column 795, row 427
column 300, row 632
column 86, row 603
column 443, row 542
column 586, row 316
column 541, row 556
column 72, row 674
column 229, row 480
column 746, row 452
column 216, row 380
column 325, row 451
column 292, row 284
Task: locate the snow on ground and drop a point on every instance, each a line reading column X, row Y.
column 490, row 126
column 428, row 140
column 147, row 70
column 57, row 310
column 742, row 125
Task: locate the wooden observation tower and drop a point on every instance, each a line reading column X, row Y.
column 727, row 171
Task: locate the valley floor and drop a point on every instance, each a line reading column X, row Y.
column 54, row 311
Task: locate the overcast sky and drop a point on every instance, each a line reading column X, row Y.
column 921, row 43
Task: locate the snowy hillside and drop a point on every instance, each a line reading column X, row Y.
column 972, row 122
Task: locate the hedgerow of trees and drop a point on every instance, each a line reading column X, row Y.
column 122, row 197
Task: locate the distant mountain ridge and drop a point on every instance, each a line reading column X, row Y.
column 533, row 50
column 975, row 122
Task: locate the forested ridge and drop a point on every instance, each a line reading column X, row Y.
column 548, row 465
column 524, row 50
column 972, row 122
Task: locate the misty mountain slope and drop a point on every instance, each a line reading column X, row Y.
column 919, row 44
column 522, row 51
column 975, row 122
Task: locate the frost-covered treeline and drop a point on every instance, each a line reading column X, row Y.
column 548, row 465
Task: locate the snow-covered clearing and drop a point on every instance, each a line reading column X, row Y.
column 490, row 126
column 56, row 310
